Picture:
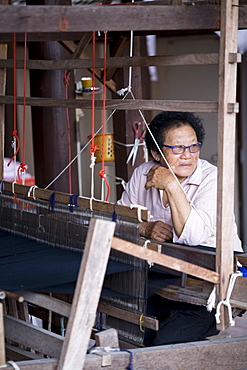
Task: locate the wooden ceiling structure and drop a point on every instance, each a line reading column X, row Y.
column 44, row 23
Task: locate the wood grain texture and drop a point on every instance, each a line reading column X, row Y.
column 87, row 294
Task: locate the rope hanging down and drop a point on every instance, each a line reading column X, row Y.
column 102, row 171
column 16, row 140
column 66, row 79
column 93, row 145
column 22, row 167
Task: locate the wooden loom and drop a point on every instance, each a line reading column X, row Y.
column 226, row 109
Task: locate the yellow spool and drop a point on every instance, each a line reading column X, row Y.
column 109, row 148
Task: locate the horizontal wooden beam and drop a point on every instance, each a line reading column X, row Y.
column 49, row 303
column 116, row 62
column 63, row 308
column 164, row 260
column 31, row 336
column 64, row 198
column 107, row 18
column 117, row 104
column 228, row 353
column 147, row 322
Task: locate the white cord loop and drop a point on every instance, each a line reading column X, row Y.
column 32, row 189
column 226, row 302
column 139, row 209
column 150, row 263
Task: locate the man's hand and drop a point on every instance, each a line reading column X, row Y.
column 157, row 230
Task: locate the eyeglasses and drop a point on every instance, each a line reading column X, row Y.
column 180, row 149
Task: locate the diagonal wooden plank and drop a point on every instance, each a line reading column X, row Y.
column 87, row 294
column 118, row 52
column 164, row 260
column 71, row 46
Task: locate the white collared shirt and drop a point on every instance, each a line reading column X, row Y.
column 201, row 191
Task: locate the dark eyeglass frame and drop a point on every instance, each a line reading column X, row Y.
column 184, row 147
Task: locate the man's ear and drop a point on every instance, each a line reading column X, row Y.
column 155, row 155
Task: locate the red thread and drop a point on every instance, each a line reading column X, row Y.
column 103, row 176
column 22, row 168
column 93, row 146
column 23, row 165
column 102, row 172
column 66, row 80
column 15, row 134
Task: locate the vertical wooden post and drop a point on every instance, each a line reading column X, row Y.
column 226, row 148
column 2, row 341
column 87, row 294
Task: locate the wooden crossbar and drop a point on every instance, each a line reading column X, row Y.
column 119, row 104
column 164, row 260
column 64, row 198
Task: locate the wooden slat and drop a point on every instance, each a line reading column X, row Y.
column 87, row 294
column 19, row 354
column 107, row 337
column 200, row 257
column 47, row 302
column 163, row 260
column 64, row 198
column 226, row 152
column 116, row 62
column 118, row 104
column 147, row 322
column 107, row 18
column 33, row 337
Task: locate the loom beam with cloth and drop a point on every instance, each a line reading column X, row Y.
column 45, row 242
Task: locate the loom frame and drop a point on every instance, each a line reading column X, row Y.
column 122, row 20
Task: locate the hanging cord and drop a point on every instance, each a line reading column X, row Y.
column 21, row 171
column 16, row 140
column 93, row 146
column 122, row 91
column 66, row 79
column 102, row 171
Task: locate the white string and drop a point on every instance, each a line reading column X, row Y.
column 92, row 166
column 14, row 160
column 13, row 187
column 211, row 300
column 31, row 189
column 226, row 301
column 85, row 146
column 139, row 209
column 14, row 365
column 150, row 263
